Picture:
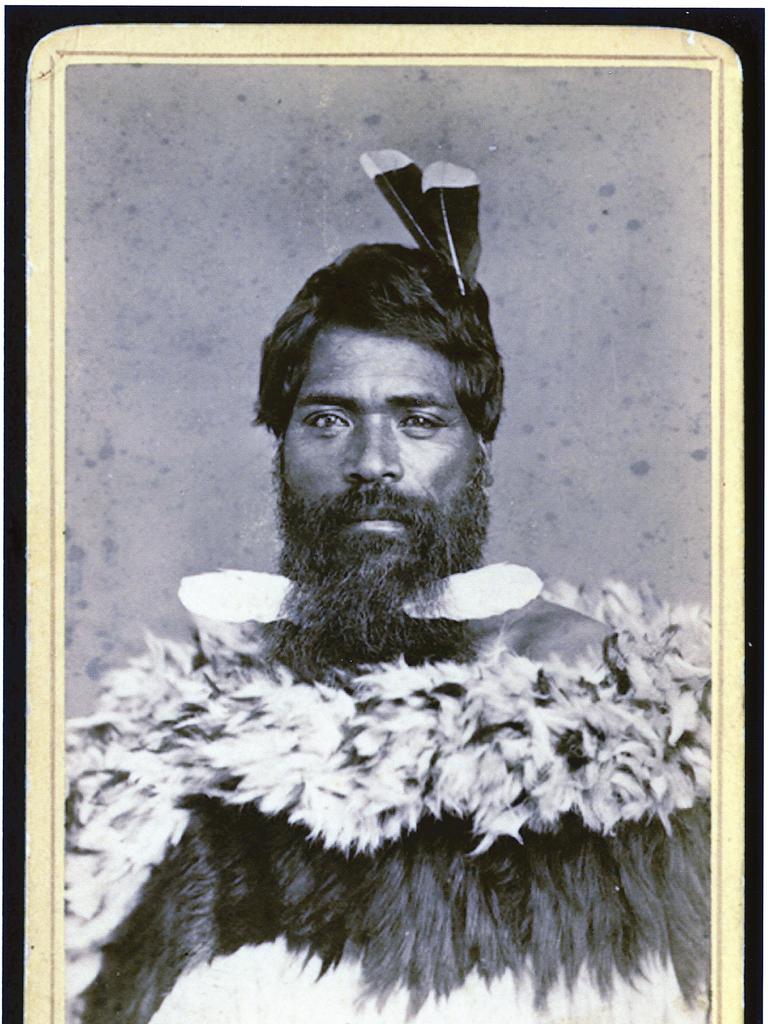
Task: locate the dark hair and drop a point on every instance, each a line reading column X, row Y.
column 390, row 290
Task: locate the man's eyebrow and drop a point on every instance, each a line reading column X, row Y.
column 327, row 398
column 419, row 400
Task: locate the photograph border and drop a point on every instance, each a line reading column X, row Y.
column 458, row 45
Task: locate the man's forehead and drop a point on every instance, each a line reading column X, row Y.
column 350, row 358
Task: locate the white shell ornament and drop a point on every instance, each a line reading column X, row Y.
column 481, row 593
column 235, row 595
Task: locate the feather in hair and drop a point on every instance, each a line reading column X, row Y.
column 439, row 208
column 399, row 180
column 451, row 205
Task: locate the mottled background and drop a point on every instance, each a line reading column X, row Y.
column 198, row 201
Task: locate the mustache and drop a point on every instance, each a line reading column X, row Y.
column 375, row 501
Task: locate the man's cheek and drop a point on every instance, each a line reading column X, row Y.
column 438, row 482
column 317, row 471
column 305, row 475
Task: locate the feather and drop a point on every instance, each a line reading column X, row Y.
column 399, row 180
column 451, row 210
column 439, row 208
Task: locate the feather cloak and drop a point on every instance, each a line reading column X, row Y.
column 537, row 830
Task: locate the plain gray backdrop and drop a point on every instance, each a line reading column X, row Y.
column 200, row 198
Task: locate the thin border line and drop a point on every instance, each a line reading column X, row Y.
column 721, row 520
column 389, row 55
column 718, row 72
column 54, row 512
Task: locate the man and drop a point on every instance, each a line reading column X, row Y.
column 383, row 418
column 393, row 783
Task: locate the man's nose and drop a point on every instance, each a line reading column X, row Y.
column 373, row 454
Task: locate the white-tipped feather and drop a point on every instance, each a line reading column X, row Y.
column 439, row 208
column 451, row 196
column 399, row 180
column 382, row 161
column 444, row 175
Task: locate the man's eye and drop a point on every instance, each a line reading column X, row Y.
column 417, row 422
column 326, row 420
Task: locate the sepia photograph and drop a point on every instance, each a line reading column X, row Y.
column 390, row 394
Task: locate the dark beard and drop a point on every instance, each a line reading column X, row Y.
column 346, row 608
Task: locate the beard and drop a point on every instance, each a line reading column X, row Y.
column 345, row 609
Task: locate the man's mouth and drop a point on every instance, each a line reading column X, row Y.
column 383, row 515
column 375, row 524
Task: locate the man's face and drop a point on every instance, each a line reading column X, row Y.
column 381, row 485
column 377, row 410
